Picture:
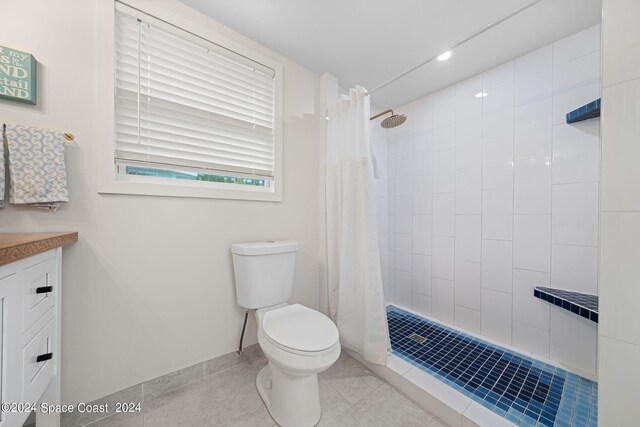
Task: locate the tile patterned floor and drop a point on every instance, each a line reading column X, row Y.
column 523, row 390
column 351, row 396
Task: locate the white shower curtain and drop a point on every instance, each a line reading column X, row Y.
column 356, row 299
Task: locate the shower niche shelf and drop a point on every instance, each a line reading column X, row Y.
column 584, row 305
column 587, row 111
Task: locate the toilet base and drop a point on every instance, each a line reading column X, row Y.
column 292, row 400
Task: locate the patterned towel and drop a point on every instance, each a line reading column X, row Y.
column 37, row 174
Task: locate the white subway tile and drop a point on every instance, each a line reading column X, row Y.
column 444, row 171
column 404, row 213
column 576, row 152
column 533, row 130
column 497, row 214
column 391, row 221
column 575, row 268
column 468, row 237
column 531, row 339
column 496, row 315
column 443, row 214
column 422, row 234
column 573, row 341
column 468, row 105
column 443, row 97
column 532, row 186
column 577, row 45
column 391, row 294
column 467, row 319
column 532, row 242
column 618, row 406
column 444, row 137
column 444, row 116
column 469, row 143
column 392, row 152
column 621, row 53
column 403, row 178
column 391, row 172
column 443, row 257
column 534, row 76
column 498, row 76
column 620, row 275
column 421, row 154
column 621, row 151
column 421, row 304
column 404, row 295
column 403, row 142
column 404, row 254
column 422, row 115
column 528, row 309
column 498, row 113
column 497, row 163
column 442, row 300
column 421, row 274
column 468, row 284
column 575, row 214
column 422, row 196
column 469, row 190
column 497, row 265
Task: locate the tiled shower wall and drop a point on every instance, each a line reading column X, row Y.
column 490, row 193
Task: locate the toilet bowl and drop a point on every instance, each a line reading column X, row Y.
column 299, row 343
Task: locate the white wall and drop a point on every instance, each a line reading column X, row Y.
column 619, row 333
column 148, row 289
column 490, row 196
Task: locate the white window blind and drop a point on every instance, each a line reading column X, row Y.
column 183, row 102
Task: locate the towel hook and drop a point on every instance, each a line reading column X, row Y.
column 69, row 136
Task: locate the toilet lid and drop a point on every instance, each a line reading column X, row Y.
column 299, row 328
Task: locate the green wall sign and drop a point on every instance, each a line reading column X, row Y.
column 17, row 75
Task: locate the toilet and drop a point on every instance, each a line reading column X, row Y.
column 298, row 342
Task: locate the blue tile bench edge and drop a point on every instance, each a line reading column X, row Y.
column 565, row 304
column 587, row 111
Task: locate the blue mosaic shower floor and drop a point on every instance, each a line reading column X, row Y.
column 523, row 390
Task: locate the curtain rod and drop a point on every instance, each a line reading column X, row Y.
column 458, row 43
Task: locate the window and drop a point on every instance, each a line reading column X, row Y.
column 193, row 113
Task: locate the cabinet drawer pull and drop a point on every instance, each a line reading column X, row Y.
column 44, row 357
column 44, row 289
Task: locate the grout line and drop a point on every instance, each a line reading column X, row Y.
column 455, row 186
column 548, row 309
column 482, row 99
column 513, row 198
column 621, row 341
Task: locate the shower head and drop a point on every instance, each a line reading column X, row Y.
column 394, row 120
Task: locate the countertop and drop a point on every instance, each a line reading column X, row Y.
column 16, row 246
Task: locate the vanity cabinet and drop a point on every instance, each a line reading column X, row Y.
column 30, row 319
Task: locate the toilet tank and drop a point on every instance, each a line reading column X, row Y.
column 264, row 272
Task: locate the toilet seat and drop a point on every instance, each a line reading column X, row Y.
column 300, row 330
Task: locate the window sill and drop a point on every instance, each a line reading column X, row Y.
column 196, row 189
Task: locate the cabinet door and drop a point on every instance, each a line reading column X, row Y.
column 11, row 362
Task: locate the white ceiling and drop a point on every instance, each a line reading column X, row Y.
column 367, row 42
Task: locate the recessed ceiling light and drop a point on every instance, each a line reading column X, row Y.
column 444, row 56
column 481, row 94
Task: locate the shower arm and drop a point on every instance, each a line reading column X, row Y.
column 458, row 43
column 381, row 114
